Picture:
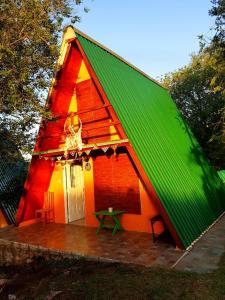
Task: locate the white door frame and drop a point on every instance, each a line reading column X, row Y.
column 66, row 184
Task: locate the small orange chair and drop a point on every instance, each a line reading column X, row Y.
column 47, row 213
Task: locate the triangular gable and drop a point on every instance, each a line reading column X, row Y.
column 73, row 97
column 189, row 189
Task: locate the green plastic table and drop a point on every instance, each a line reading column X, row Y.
column 114, row 223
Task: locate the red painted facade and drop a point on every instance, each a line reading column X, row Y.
column 95, row 121
column 51, row 133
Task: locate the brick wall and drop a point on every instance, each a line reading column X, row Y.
column 116, row 184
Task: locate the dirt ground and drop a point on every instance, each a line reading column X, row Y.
column 80, row 279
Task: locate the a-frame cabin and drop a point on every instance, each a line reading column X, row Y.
column 136, row 153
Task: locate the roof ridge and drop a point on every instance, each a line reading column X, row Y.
column 116, row 55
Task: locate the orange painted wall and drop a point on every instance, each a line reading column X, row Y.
column 37, row 183
column 141, row 222
column 90, row 219
column 56, row 186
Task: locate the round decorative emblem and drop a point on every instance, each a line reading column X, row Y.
column 87, row 166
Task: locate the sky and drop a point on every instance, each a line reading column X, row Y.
column 157, row 36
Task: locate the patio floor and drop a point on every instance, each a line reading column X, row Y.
column 127, row 247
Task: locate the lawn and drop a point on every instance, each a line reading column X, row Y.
column 80, row 279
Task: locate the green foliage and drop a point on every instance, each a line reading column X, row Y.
column 199, row 90
column 218, row 11
column 29, row 31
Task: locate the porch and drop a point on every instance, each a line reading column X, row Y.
column 126, row 247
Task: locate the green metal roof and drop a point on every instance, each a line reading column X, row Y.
column 189, row 189
column 222, row 175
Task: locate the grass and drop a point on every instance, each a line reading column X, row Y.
column 80, row 279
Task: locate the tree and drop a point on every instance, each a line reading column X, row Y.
column 201, row 105
column 218, row 11
column 199, row 90
column 217, row 45
column 29, row 31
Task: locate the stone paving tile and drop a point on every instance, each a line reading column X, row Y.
column 127, row 247
column 207, row 252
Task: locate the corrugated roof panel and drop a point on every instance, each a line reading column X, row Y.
column 188, row 188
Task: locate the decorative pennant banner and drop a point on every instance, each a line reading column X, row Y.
column 40, row 157
column 95, row 147
column 80, row 153
column 46, row 158
column 105, row 149
column 59, row 158
column 87, row 152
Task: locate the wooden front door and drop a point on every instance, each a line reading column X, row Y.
column 75, row 192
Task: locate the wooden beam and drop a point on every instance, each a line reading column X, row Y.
column 85, row 147
column 80, row 112
column 108, row 124
column 98, row 136
column 90, row 128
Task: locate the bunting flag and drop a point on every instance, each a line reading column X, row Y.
column 74, row 154
column 105, row 149
column 87, row 152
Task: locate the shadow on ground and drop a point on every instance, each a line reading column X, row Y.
column 80, row 279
